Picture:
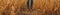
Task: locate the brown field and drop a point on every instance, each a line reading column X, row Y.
column 40, row 7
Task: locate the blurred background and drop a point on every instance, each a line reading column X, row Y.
column 39, row 7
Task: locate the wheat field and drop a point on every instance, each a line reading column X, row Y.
column 39, row 7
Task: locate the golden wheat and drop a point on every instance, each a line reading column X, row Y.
column 40, row 7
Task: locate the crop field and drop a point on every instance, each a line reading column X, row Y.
column 39, row 7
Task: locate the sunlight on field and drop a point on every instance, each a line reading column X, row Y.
column 40, row 7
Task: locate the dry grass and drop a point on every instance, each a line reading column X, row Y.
column 40, row 7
